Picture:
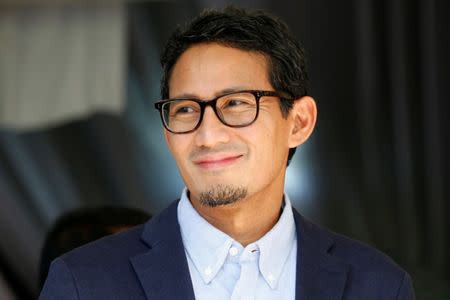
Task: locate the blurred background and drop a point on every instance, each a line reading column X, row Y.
column 77, row 126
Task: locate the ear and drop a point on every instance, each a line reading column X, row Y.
column 302, row 117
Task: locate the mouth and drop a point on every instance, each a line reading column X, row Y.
column 210, row 163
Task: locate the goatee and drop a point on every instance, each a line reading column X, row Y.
column 222, row 195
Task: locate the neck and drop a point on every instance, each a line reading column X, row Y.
column 247, row 220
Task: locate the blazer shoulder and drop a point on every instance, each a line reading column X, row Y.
column 112, row 248
column 103, row 269
column 359, row 255
column 120, row 247
column 371, row 267
column 98, row 270
column 369, row 270
column 362, row 256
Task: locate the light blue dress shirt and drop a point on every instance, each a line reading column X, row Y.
column 221, row 268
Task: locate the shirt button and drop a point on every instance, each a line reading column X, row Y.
column 271, row 277
column 233, row 251
column 208, row 271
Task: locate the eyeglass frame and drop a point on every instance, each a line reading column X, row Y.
column 213, row 103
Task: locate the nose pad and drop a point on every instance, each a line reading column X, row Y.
column 210, row 118
column 211, row 130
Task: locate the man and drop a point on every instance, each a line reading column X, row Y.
column 235, row 109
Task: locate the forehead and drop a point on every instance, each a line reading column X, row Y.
column 206, row 70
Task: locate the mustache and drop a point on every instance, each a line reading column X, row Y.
column 225, row 148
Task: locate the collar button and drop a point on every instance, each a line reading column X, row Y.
column 208, row 271
column 233, row 251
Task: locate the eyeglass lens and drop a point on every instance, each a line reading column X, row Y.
column 237, row 109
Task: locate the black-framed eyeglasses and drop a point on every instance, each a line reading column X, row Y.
column 234, row 109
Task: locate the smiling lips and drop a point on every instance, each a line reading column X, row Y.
column 216, row 162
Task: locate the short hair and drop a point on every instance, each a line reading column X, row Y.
column 255, row 31
column 84, row 225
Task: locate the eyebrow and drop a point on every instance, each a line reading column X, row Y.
column 221, row 92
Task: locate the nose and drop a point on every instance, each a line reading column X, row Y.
column 211, row 131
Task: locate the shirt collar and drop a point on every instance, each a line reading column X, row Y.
column 276, row 245
column 205, row 245
column 208, row 247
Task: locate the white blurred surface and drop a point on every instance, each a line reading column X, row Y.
column 60, row 62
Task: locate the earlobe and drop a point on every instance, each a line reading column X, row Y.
column 303, row 120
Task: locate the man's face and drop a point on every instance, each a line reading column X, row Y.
column 216, row 160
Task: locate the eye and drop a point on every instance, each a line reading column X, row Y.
column 237, row 103
column 183, row 108
column 234, row 102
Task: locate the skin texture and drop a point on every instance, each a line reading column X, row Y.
column 251, row 158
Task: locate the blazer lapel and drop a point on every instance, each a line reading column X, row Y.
column 163, row 271
column 320, row 275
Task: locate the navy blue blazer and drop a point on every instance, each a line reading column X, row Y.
column 149, row 262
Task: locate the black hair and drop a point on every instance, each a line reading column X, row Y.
column 255, row 31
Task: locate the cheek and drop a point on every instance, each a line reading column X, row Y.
column 274, row 145
column 264, row 145
column 178, row 147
